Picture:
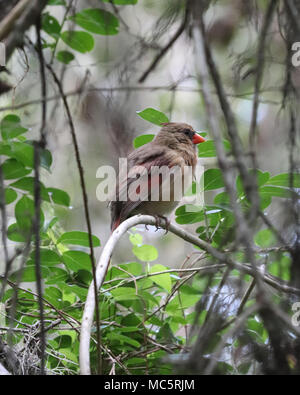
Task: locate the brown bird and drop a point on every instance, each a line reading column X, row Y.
column 173, row 147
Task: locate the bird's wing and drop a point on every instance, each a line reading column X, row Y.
column 143, row 173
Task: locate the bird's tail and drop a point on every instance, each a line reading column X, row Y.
column 115, row 224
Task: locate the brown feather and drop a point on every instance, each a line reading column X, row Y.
column 171, row 147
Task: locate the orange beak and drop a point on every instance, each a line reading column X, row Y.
column 198, row 139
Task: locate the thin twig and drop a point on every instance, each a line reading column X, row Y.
column 242, row 304
column 131, row 89
column 168, row 46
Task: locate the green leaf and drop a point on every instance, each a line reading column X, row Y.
column 265, row 201
column 134, row 268
column 46, row 159
column 153, row 116
column 56, row 2
column 27, row 184
column 10, row 195
column 51, row 223
column 264, row 238
column 23, row 152
column 255, row 327
column 51, row 25
column 75, row 289
column 80, row 41
column 283, row 180
column 222, row 199
column 261, row 179
column 135, row 361
column 11, row 127
column 213, row 179
column 69, row 355
column 145, row 253
column 57, row 275
column 47, row 257
column 54, row 296
column 185, row 301
column 208, row 149
column 112, row 336
column 76, row 260
column 78, row 238
column 141, row 140
column 15, row 234
column 163, row 280
column 97, row 21
column 13, row 169
column 275, row 192
column 281, row 268
column 25, row 213
column 121, row 2
column 136, row 239
column 131, row 320
column 28, row 275
column 84, row 277
column 59, row 196
column 45, row 156
column 188, row 214
column 65, row 57
column 124, row 293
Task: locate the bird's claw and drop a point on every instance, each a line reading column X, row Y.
column 157, row 222
column 168, row 222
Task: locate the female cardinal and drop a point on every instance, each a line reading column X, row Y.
column 173, row 147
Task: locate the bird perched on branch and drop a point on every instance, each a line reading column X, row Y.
column 144, row 187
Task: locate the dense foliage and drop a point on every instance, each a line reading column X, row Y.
column 150, row 312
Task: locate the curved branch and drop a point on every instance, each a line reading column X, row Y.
column 103, row 263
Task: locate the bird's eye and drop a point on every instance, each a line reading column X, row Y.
column 188, row 133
